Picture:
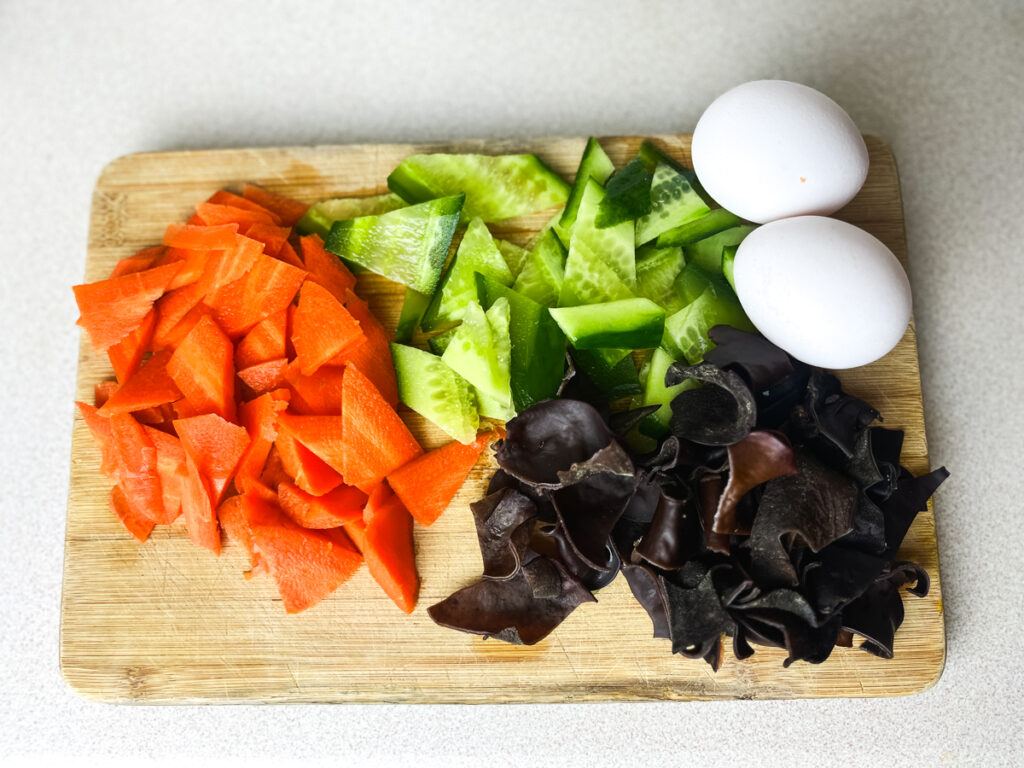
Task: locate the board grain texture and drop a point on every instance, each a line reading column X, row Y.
column 167, row 622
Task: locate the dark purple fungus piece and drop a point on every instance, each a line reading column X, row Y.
column 623, row 421
column 697, row 618
column 838, row 575
column 502, row 479
column 675, row 534
column 720, row 412
column 786, row 618
column 551, row 542
column 910, row 497
column 817, row 505
column 588, row 511
column 756, row 459
column 751, row 355
column 886, row 446
column 838, row 417
column 648, row 590
column 878, row 613
column 644, row 501
column 503, row 531
column 550, row 437
column 510, row 610
column 611, row 459
column 709, row 492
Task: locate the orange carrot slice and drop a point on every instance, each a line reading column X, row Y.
column 373, row 356
column 137, row 524
column 264, row 377
column 137, row 462
column 201, row 238
column 267, row 288
column 139, row 262
column 171, row 310
column 308, row 470
column 126, row 355
column 198, row 506
column 202, row 367
column 173, row 472
column 259, row 417
column 389, row 551
column 322, row 328
column 99, row 428
column 320, row 434
column 326, row 269
column 288, row 210
column 235, row 524
column 150, row 387
column 215, row 446
column 319, row 394
column 273, row 238
column 266, row 341
column 342, row 505
column 213, row 214
column 223, row 197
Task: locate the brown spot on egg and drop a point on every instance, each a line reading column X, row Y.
column 802, row 179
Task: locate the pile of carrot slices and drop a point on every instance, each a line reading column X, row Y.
column 254, row 394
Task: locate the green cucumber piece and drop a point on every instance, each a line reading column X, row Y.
column 612, row 371
column 656, row 271
column 728, row 257
column 693, row 280
column 538, row 344
column 409, row 245
column 612, row 245
column 439, row 343
column 477, row 253
column 708, row 252
column 590, row 281
column 320, row 216
column 686, row 332
column 711, row 223
column 656, row 393
column 413, row 307
column 493, row 408
column 628, row 196
column 543, row 271
column 674, row 201
column 593, row 165
column 436, row 392
column 632, row 324
column 513, row 254
column 496, row 188
column 480, row 350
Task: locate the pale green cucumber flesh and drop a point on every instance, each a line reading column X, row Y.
column 543, row 271
column 656, row 271
column 431, row 388
column 674, row 201
column 594, row 164
column 612, row 245
column 321, row 215
column 631, row 324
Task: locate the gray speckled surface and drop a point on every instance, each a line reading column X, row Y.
column 81, row 83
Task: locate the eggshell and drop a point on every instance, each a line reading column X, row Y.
column 769, row 149
column 825, row 291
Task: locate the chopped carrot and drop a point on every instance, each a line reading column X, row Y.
column 136, row 523
column 101, row 392
column 199, row 509
column 229, row 265
column 376, row 441
column 99, row 428
column 137, row 462
column 266, row 341
column 202, row 366
column 139, row 262
column 372, row 356
column 173, row 472
column 289, row 256
column 326, row 269
column 356, row 531
column 322, row 328
column 273, row 238
column 320, row 434
column 201, row 238
column 213, row 214
column 288, row 211
column 171, row 310
column 223, row 197
column 427, row 484
column 259, row 417
column 266, row 289
column 389, row 552
column 311, row 473
column 215, row 446
column 263, row 377
column 126, row 355
column 273, row 473
column 111, row 309
column 193, row 264
column 150, row 387
column 342, row 505
column 319, row 394
column 235, row 524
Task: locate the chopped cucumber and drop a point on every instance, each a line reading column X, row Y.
column 408, row 245
column 612, row 371
column 674, row 201
column 543, row 271
column 477, row 253
column 413, row 307
column 538, row 344
column 628, row 196
column 432, row 389
column 588, row 280
column 495, row 187
column 656, row 270
column 656, row 393
column 708, row 252
column 686, row 332
column 480, row 350
column 514, row 255
column 593, row 165
column 693, row 280
column 631, row 324
column 612, row 245
column 320, row 216
column 728, row 257
column 439, row 343
column 690, row 231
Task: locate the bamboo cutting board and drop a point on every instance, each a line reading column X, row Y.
column 166, row 622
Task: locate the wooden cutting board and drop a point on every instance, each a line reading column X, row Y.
column 166, row 622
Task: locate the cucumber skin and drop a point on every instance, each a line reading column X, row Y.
column 686, row 332
column 439, row 343
column 613, row 381
column 707, row 225
column 728, row 259
column 628, row 196
column 674, row 201
column 708, row 251
column 630, row 324
column 413, row 307
column 655, row 392
column 594, row 164
column 538, row 344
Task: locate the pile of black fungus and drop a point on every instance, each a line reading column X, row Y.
column 772, row 514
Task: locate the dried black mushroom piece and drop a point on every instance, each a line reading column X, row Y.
column 588, row 511
column 838, row 418
column 720, row 412
column 760, row 363
column 675, row 532
column 878, row 613
column 759, row 457
column 552, row 542
column 649, row 591
column 503, row 527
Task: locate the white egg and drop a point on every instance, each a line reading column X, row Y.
column 825, row 291
column 770, row 149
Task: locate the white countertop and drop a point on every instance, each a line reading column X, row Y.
column 82, row 83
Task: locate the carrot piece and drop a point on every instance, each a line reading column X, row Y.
column 268, row 288
column 373, row 356
column 376, row 441
column 356, row 531
column 137, row 524
column 264, row 377
column 99, row 428
column 233, row 521
column 199, row 509
column 259, row 417
column 126, row 355
column 389, row 551
column 308, row 470
column 139, row 262
column 213, row 214
column 223, row 197
column 150, row 387
column 325, row 268
column 427, row 484
column 320, row 434
column 322, row 329
column 202, row 368
column 193, row 263
column 201, row 238
column 229, row 265
column 172, row 470
column 111, row 309
column 137, row 462
column 289, row 256
column 289, row 211
column 216, row 448
column 307, row 565
column 171, row 310
column 319, row 394
column 272, row 237
column 266, row 341
column 273, row 473
column 342, row 505
column 101, row 392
